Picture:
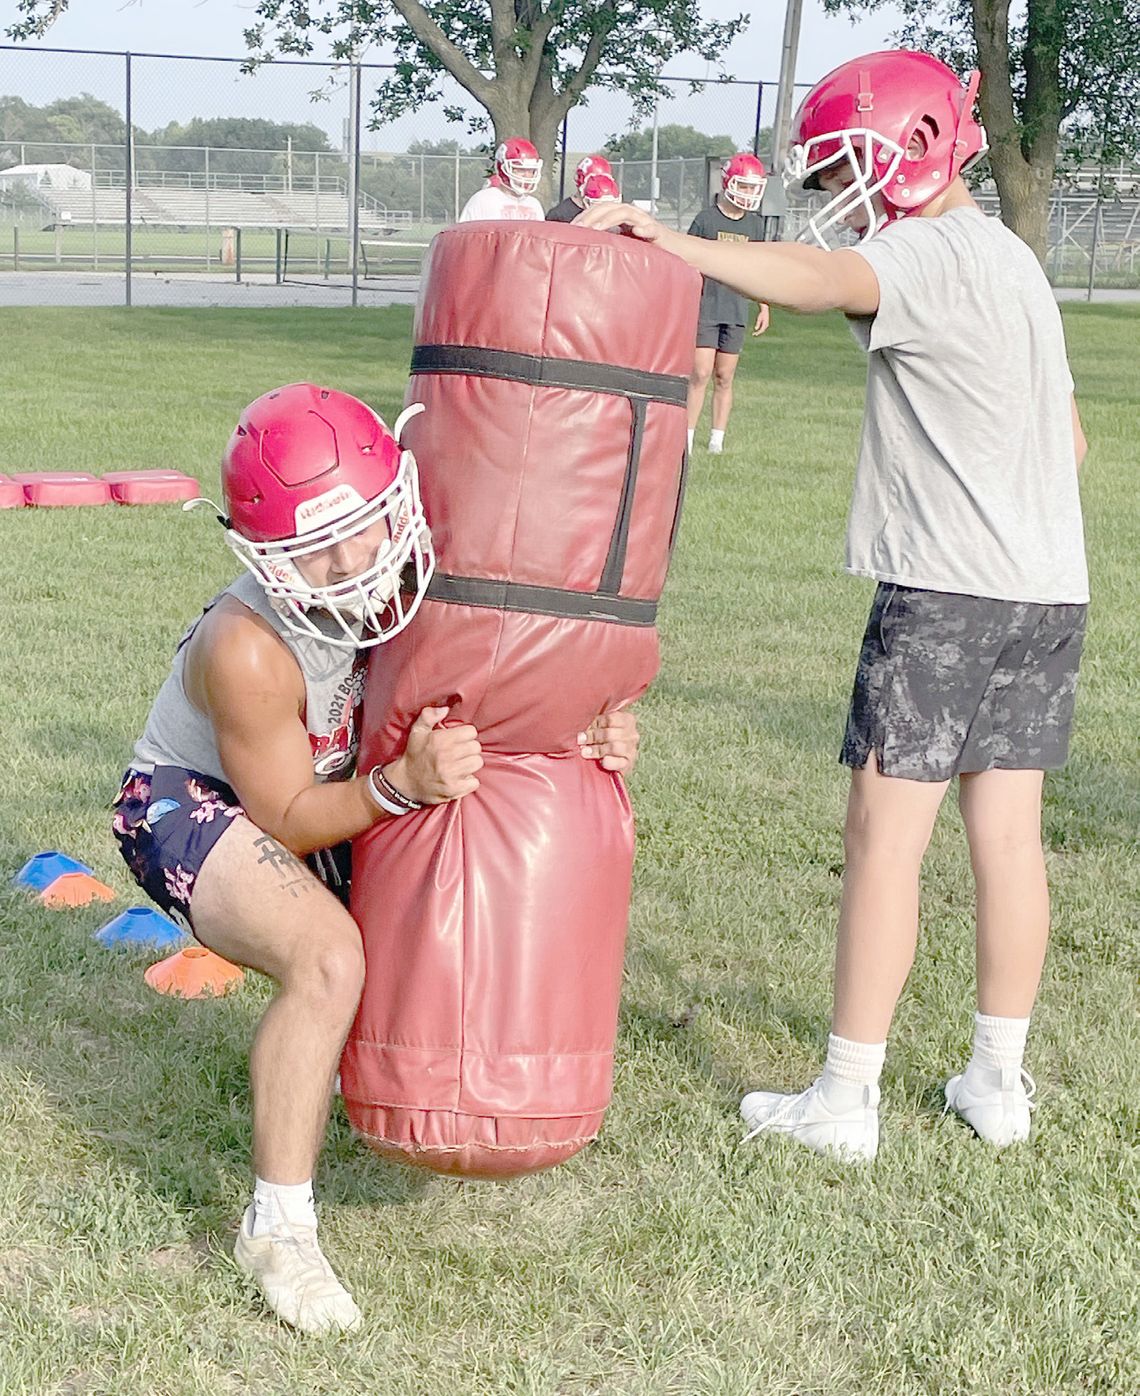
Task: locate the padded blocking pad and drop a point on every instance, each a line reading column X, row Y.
column 494, row 927
column 150, row 486
column 11, row 493
column 62, row 488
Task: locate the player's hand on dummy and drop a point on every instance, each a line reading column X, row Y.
column 612, row 741
column 439, row 763
column 628, row 219
column 763, row 319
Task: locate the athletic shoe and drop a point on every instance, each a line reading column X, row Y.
column 850, row 1134
column 297, row 1281
column 716, row 448
column 998, row 1114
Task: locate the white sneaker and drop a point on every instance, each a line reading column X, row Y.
column 297, row 1281
column 716, row 448
column 807, row 1118
column 998, row 1114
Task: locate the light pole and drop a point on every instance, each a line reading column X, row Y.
column 786, row 91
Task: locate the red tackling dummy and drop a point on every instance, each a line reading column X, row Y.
column 553, row 364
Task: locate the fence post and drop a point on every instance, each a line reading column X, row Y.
column 562, row 161
column 94, row 215
column 317, row 206
column 456, row 219
column 206, row 177
column 421, row 186
column 130, row 179
column 277, row 256
column 759, row 108
column 237, row 254
column 1092, row 252
column 354, row 211
column 680, row 189
column 15, row 248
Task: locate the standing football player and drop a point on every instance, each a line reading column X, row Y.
column 510, row 193
column 574, row 203
column 242, row 794
column 733, row 216
column 967, row 513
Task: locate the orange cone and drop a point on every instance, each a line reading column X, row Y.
column 75, row 889
column 193, row 973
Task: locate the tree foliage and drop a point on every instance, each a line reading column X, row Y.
column 1060, row 85
column 526, row 63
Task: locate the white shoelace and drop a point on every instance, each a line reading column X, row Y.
column 779, row 1113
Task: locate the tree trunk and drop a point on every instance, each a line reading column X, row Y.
column 1024, row 194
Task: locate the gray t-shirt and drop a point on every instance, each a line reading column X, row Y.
column 178, row 734
column 967, row 477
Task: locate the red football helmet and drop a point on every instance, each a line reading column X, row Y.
column 600, row 189
column 591, row 165
column 901, row 123
column 742, row 180
column 307, row 468
column 518, row 166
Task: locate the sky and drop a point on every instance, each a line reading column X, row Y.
column 165, row 91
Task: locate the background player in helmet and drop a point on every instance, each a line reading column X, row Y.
column 966, row 511
column 574, row 203
column 510, row 194
column 600, row 189
column 733, row 216
column 246, row 767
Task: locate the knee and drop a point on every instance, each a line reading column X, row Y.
column 724, row 377
column 873, row 839
column 331, row 970
column 699, row 377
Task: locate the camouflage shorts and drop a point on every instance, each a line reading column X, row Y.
column 949, row 684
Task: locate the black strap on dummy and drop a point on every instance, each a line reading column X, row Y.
column 639, row 388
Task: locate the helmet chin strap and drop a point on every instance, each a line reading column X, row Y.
column 195, row 503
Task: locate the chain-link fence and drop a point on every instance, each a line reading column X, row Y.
column 152, row 174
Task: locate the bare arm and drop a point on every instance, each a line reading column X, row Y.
column 1080, row 445
column 245, row 680
column 801, row 278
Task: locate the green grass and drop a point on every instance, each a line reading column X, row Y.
column 172, row 249
column 666, row 1259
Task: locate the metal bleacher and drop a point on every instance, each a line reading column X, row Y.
column 165, row 206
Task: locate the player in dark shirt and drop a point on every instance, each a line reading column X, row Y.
column 571, row 207
column 732, row 217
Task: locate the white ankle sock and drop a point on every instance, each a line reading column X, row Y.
column 999, row 1046
column 716, row 438
column 274, row 1203
column 850, row 1068
column 692, row 433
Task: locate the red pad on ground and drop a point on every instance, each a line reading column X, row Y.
column 11, row 493
column 57, row 489
column 151, row 486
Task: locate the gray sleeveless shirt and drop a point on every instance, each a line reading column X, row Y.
column 177, row 734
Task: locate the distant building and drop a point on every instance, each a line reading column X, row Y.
column 43, row 177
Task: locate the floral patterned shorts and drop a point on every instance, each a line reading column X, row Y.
column 166, row 824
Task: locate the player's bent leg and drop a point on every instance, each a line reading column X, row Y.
column 257, row 904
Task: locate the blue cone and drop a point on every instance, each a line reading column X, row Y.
column 139, row 925
column 40, row 872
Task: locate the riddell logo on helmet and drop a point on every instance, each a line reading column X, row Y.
column 326, row 508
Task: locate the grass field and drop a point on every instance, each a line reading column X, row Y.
column 307, row 253
column 667, row 1259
